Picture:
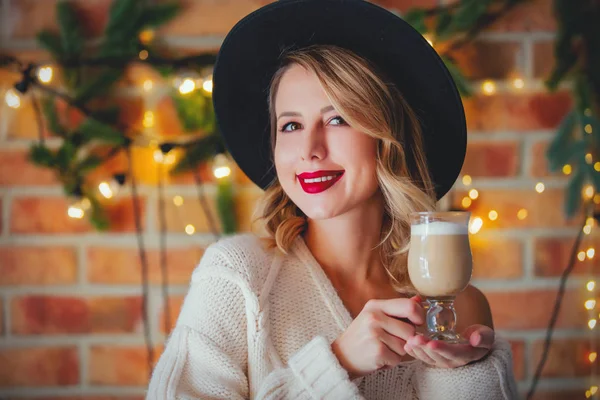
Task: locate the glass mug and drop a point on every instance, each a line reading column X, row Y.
column 440, row 266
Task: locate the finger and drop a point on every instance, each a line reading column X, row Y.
column 401, row 308
column 394, row 343
column 423, row 356
column 457, row 353
column 438, row 359
column 480, row 336
column 390, row 357
column 401, row 329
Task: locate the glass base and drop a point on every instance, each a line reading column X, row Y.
column 448, row 337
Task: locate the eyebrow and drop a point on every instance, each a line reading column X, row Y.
column 296, row 114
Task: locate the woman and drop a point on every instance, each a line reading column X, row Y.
column 362, row 128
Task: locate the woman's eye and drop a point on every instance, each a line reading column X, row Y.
column 290, row 126
column 337, row 121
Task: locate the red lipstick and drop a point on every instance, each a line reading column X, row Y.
column 318, row 181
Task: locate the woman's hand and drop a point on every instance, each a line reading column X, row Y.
column 445, row 355
column 376, row 338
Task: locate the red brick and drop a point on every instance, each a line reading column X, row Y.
column 530, row 309
column 529, row 16
column 518, row 353
column 552, row 255
column 539, row 163
column 123, row 266
column 27, row 17
column 191, row 212
column 29, row 265
column 49, row 215
column 543, row 59
column 566, row 358
column 524, row 111
column 496, row 258
column 492, row 159
column 175, row 304
column 27, row 172
column 119, row 366
column 22, row 122
column 2, row 327
column 488, row 60
column 57, row 315
column 41, row 366
column 544, row 210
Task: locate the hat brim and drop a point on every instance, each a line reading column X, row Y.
column 251, row 54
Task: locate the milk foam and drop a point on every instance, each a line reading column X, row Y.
column 439, row 228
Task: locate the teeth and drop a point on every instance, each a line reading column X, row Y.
column 322, row 179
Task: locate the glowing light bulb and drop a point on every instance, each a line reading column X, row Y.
column 597, row 198
column 12, row 98
column 187, row 86
column 588, row 158
column 590, row 286
column 76, row 210
column 475, row 225
column 466, row 180
column 581, row 255
column 587, row 229
column 146, row 36
column 592, row 323
column 488, row 87
column 593, row 389
column 158, row 156
column 221, row 167
column 566, row 169
column 539, row 187
column 522, row 214
column 473, row 193
column 493, row 215
column 588, row 129
column 588, row 191
column 143, row 55
column 597, row 166
column 590, row 253
column 106, row 190
column 592, row 356
column 466, row 202
column 189, row 229
column 590, row 221
column 148, row 85
column 207, row 85
column 518, row 83
column 178, row 201
column 45, row 74
column 590, row 304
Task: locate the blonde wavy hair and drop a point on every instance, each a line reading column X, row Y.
column 369, row 104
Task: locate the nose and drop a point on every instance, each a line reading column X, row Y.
column 313, row 144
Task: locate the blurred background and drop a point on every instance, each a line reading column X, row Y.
column 113, row 180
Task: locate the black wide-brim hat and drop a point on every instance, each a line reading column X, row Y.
column 252, row 52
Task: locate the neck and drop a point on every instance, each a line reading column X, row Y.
column 345, row 246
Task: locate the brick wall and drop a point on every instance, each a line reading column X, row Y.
column 70, row 297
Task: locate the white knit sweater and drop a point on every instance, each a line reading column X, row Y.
column 258, row 325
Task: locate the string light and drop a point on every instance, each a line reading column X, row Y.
column 566, row 169
column 466, row 180
column 146, row 36
column 143, row 55
column 107, row 189
column 587, row 229
column 493, row 215
column 590, row 221
column 588, row 128
column 590, row 286
column 473, row 193
column 593, row 389
column 588, row 192
column 588, row 158
column 518, row 83
column 539, row 187
column 148, row 85
column 178, row 201
column 597, row 166
column 597, row 198
column 158, row 156
column 475, row 225
column 148, row 119
column 190, row 229
column 78, row 208
column 488, row 87
column 187, row 86
column 12, row 98
column 207, row 85
column 466, row 202
column 592, row 356
column 221, row 167
column 592, row 323
column 581, row 255
column 522, row 214
column 590, row 304
column 590, row 253
column 45, row 74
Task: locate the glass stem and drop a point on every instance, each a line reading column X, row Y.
column 441, row 316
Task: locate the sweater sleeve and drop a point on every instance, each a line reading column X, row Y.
column 206, row 355
column 491, row 378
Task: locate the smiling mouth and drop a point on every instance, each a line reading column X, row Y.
column 317, row 182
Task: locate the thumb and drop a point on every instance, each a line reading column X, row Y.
column 480, row 336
